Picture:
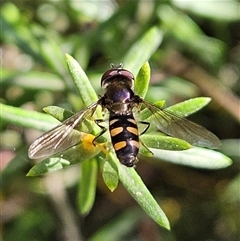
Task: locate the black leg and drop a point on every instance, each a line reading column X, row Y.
column 104, row 129
column 147, row 126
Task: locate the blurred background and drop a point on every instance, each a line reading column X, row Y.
column 198, row 55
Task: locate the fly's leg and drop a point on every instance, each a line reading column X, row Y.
column 104, row 129
column 144, row 131
column 146, row 128
column 150, row 154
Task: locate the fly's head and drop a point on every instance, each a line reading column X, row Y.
column 117, row 75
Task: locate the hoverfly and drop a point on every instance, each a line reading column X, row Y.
column 120, row 100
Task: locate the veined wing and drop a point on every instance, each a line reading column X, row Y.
column 60, row 137
column 182, row 128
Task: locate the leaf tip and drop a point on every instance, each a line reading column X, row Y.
column 208, row 99
column 167, row 226
column 30, row 174
column 68, row 56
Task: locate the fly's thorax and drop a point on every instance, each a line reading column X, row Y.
column 119, row 91
column 118, row 98
column 120, row 108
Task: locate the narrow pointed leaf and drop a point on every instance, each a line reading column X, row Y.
column 189, row 107
column 142, row 80
column 164, row 142
column 48, row 165
column 83, row 85
column 135, row 57
column 135, row 186
column 25, row 118
column 110, row 176
column 88, row 96
column 58, row 112
column 87, row 185
column 195, row 157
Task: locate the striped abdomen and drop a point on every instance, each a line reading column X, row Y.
column 125, row 138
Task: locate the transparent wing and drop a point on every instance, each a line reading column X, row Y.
column 182, row 128
column 60, row 137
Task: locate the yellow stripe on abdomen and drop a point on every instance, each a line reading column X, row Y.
column 132, row 130
column 120, row 145
column 116, row 131
column 132, row 121
column 113, row 121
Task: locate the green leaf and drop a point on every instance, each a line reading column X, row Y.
column 195, row 157
column 212, row 9
column 81, row 81
column 58, row 112
column 29, row 119
column 48, row 165
column 142, row 80
column 136, row 57
column 34, row 80
column 136, row 187
column 110, row 176
column 189, row 107
column 87, row 185
column 164, row 142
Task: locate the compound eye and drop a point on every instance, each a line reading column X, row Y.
column 127, row 74
column 116, row 72
column 109, row 74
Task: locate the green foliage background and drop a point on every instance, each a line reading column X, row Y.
column 194, row 53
